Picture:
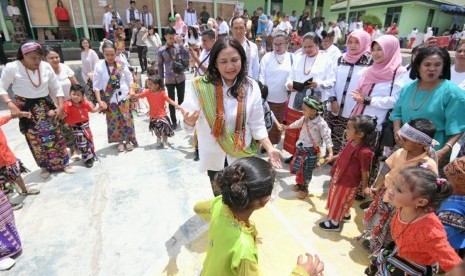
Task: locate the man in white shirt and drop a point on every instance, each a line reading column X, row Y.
column 201, row 62
column 285, row 26
column 329, row 48
column 223, row 29
column 190, row 15
column 146, row 17
column 293, row 20
column 137, row 39
column 107, row 17
column 132, row 14
column 337, row 32
column 251, row 50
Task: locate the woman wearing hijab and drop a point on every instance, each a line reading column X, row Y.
column 180, row 26
column 378, row 89
column 350, row 68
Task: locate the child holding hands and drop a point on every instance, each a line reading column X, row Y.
column 159, row 121
column 10, row 166
column 314, row 132
column 77, row 110
column 350, row 168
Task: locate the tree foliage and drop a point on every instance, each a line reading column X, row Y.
column 372, row 20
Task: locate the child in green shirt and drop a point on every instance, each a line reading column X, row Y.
column 245, row 186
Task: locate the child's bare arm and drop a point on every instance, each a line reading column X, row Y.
column 365, row 178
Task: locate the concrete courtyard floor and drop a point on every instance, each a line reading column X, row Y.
column 132, row 214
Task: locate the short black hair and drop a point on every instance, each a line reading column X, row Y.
column 77, row 88
column 263, row 89
column 313, row 37
column 210, row 33
column 170, row 31
column 236, row 18
column 427, row 52
column 423, row 125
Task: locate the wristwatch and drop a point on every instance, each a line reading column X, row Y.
column 367, row 100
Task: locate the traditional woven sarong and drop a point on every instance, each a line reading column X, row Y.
column 64, row 29
column 120, row 124
column 338, row 125
column 90, row 91
column 389, row 263
column 11, row 173
column 43, row 135
column 292, row 135
column 377, row 221
column 84, row 140
column 278, row 110
column 161, row 127
column 67, row 132
column 20, row 29
column 302, row 165
column 10, row 243
column 340, row 199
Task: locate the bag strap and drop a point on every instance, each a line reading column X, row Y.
column 393, row 79
column 368, row 95
column 346, row 87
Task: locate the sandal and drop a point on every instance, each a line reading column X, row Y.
column 121, row 147
column 30, row 191
column 129, row 147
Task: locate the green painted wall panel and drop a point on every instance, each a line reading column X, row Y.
column 252, row 5
column 297, row 5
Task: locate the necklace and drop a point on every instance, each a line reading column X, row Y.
column 305, row 65
column 40, row 78
column 412, row 101
column 279, row 61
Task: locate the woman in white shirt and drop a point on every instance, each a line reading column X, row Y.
column 89, row 59
column 457, row 71
column 153, row 42
column 193, row 42
column 315, row 73
column 18, row 22
column 113, row 82
column 225, row 107
column 275, row 68
column 350, row 67
column 33, row 81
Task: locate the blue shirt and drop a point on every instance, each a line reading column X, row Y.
column 261, row 25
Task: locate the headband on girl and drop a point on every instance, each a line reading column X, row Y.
column 30, row 47
column 414, row 135
column 312, row 103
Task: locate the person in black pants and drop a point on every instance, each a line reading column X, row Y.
column 174, row 80
column 137, row 39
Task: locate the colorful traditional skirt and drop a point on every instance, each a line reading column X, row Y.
column 43, row 135
column 64, row 29
column 11, row 173
column 67, row 132
column 161, row 127
column 340, row 199
column 90, row 91
column 10, row 243
column 377, row 221
column 303, row 163
column 84, row 140
column 292, row 135
column 338, row 125
column 278, row 110
column 20, row 29
column 120, row 124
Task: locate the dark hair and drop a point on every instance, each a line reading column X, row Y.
column 236, row 18
column 19, row 53
column 77, row 88
column 423, row 182
column 108, row 44
column 260, row 9
column 170, row 31
column 47, row 49
column 325, row 34
column 367, row 125
column 150, row 27
column 263, row 89
column 423, row 125
column 246, row 180
column 213, row 74
column 82, row 40
column 58, row 2
column 219, row 18
column 210, row 33
column 313, row 37
column 156, row 79
column 429, row 51
column 194, row 32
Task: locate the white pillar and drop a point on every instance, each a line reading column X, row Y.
column 215, row 8
column 268, row 7
column 157, row 8
column 171, row 8
column 84, row 19
column 347, row 13
column 315, row 7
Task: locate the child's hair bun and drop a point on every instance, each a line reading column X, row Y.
column 234, row 190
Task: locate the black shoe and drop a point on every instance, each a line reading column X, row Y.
column 331, row 226
column 365, row 205
column 89, row 163
column 346, row 218
column 288, row 160
column 196, row 155
column 359, row 197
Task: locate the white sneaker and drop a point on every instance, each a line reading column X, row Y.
column 166, row 145
column 6, row 264
column 158, row 143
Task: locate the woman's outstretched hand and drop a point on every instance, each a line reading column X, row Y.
column 275, row 156
column 190, row 118
column 313, row 266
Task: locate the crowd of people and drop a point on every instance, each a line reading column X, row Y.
column 387, row 130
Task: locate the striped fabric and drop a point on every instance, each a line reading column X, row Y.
column 83, row 139
column 206, row 95
column 302, row 165
column 389, row 263
column 292, row 135
column 340, row 199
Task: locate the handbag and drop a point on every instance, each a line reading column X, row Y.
column 386, row 138
column 179, row 65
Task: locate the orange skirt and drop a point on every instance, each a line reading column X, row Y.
column 292, row 135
